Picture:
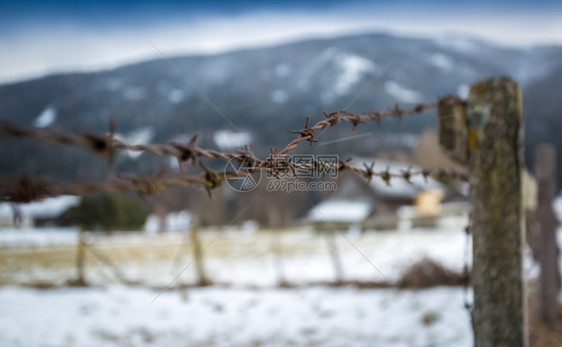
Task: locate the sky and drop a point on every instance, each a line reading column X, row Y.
column 43, row 37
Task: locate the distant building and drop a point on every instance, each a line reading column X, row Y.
column 339, row 214
column 377, row 205
column 36, row 213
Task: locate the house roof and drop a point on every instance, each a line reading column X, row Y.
column 50, row 207
column 337, row 210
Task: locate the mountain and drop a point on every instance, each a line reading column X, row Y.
column 266, row 92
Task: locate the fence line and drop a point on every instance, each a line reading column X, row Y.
column 27, row 188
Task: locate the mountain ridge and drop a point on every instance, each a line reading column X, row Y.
column 280, row 85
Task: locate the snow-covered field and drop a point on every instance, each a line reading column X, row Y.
column 251, row 312
column 118, row 316
column 115, row 315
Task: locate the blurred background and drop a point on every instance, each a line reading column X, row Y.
column 353, row 262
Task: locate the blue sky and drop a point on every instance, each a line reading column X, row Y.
column 40, row 37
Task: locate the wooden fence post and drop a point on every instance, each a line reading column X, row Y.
column 277, row 248
column 495, row 120
column 488, row 138
column 202, row 279
column 334, row 255
column 81, row 258
column 545, row 172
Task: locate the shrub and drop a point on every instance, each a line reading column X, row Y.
column 103, row 211
column 427, row 273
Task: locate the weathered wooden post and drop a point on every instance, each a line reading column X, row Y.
column 276, row 224
column 545, row 172
column 80, row 258
column 486, row 134
column 334, row 254
column 202, row 279
column 277, row 248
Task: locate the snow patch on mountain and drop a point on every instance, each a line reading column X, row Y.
column 140, row 136
column 353, row 68
column 402, row 94
column 228, row 139
column 46, row 118
column 114, row 84
column 282, row 70
column 442, row 61
column 134, row 93
column 459, row 44
column 176, row 96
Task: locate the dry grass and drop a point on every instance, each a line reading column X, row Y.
column 427, row 273
column 34, row 265
column 540, row 334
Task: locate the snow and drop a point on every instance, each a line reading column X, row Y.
column 458, row 43
column 248, row 255
column 557, row 205
column 140, row 136
column 250, row 226
column 152, row 225
column 176, row 96
column 282, row 70
column 442, row 61
column 353, row 68
column 318, row 315
column 49, row 207
column 178, row 221
column 118, row 316
column 340, row 211
column 174, row 222
column 279, row 96
column 114, row 83
column 134, row 93
column 46, row 118
column 402, row 94
column 31, row 237
column 228, row 139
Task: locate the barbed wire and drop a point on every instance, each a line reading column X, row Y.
column 27, row 188
column 334, row 118
column 108, row 145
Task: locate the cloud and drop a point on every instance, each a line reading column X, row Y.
column 49, row 47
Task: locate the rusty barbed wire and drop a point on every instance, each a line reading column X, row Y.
column 26, row 188
column 108, row 145
column 334, row 118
